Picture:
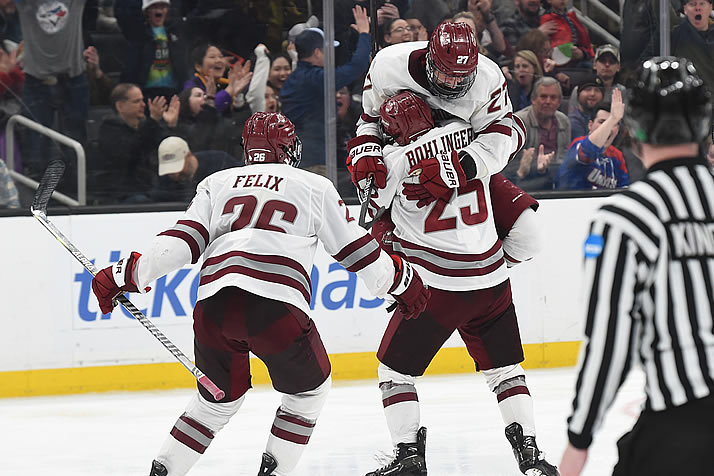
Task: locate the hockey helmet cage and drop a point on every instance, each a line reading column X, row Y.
column 668, row 103
column 270, row 137
column 451, row 60
column 405, row 117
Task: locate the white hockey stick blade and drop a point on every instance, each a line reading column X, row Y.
column 39, row 213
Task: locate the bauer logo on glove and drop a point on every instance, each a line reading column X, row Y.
column 438, row 178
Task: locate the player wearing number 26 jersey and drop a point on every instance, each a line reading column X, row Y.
column 257, row 229
column 454, row 244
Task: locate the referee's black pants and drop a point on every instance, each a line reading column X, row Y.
column 677, row 441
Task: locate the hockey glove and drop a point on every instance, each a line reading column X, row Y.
column 114, row 280
column 408, row 289
column 382, row 232
column 365, row 159
column 438, row 177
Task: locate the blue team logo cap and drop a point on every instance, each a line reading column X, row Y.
column 593, row 246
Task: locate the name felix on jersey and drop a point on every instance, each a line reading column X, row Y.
column 445, row 143
column 254, row 180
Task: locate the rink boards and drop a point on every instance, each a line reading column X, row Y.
column 55, row 340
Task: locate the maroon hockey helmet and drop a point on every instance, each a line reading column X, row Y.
column 270, row 137
column 451, row 60
column 405, row 117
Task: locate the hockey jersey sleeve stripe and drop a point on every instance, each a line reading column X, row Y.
column 190, row 241
column 521, row 133
column 364, row 262
column 196, row 226
column 356, row 260
column 367, row 118
column 511, row 260
column 497, row 129
column 273, row 269
column 193, row 233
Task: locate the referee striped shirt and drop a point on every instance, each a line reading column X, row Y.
column 649, row 266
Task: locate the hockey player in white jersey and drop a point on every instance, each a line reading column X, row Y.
column 257, row 229
column 455, row 80
column 454, row 244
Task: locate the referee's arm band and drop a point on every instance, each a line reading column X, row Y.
column 581, row 442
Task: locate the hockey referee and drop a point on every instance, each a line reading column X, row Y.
column 649, row 266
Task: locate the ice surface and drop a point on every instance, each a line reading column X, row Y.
column 119, row 433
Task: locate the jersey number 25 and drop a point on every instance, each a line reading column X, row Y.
column 435, row 222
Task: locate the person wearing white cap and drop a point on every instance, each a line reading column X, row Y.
column 180, row 170
column 157, row 59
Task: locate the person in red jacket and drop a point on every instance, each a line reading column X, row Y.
column 569, row 30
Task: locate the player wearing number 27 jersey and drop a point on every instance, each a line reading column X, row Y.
column 456, row 81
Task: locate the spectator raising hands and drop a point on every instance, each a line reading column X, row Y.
column 100, row 85
column 542, row 162
column 238, row 78
column 361, row 24
column 592, row 162
column 388, row 11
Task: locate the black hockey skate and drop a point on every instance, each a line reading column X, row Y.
column 531, row 461
column 267, row 466
column 409, row 459
column 158, row 469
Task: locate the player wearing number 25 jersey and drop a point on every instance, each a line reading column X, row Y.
column 454, row 244
column 257, row 229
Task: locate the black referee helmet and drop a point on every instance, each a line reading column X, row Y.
column 668, row 103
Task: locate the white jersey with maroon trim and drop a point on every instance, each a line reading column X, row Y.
column 485, row 106
column 257, row 228
column 454, row 246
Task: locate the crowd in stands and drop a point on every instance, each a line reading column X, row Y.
column 191, row 72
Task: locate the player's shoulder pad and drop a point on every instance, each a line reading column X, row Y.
column 490, row 70
column 394, row 58
column 218, row 177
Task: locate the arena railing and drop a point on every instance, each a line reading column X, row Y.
column 56, row 136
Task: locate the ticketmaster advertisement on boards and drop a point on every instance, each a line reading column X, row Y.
column 52, row 320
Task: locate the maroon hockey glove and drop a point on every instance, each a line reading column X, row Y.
column 438, row 176
column 114, row 280
column 408, row 289
column 365, row 159
column 382, row 232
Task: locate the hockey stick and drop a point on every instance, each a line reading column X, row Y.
column 373, row 24
column 369, row 188
column 49, row 181
column 364, row 196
